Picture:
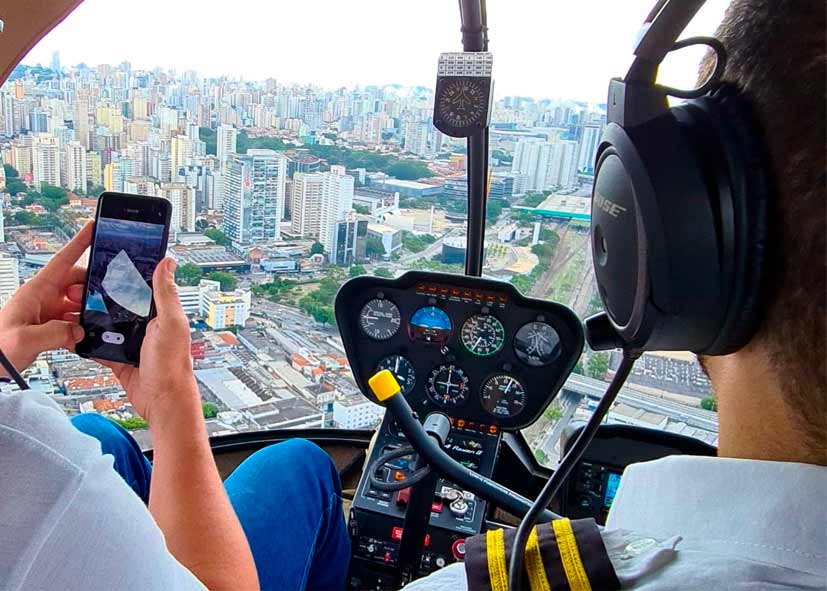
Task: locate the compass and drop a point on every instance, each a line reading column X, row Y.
column 462, row 103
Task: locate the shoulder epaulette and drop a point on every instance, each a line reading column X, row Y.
column 559, row 556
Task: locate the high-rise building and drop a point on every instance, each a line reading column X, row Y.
column 562, row 166
column 349, row 241
column 225, row 142
column 305, row 207
column 76, row 170
column 182, row 198
column 94, row 174
column 21, row 152
column 531, row 158
column 81, row 121
column 45, row 162
column 220, row 309
column 113, row 177
column 9, row 278
column 589, row 142
column 416, row 138
column 337, row 201
column 254, row 196
column 180, row 153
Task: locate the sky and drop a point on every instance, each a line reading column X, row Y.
column 558, row 49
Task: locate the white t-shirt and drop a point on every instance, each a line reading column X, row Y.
column 67, row 519
column 684, row 523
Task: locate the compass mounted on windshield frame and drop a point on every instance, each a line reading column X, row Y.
column 462, row 103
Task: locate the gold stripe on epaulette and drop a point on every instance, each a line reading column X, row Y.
column 534, row 564
column 497, row 570
column 570, row 556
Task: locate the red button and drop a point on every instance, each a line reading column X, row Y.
column 436, row 507
column 387, row 556
column 427, row 540
column 458, row 549
column 396, row 533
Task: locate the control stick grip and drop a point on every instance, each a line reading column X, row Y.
column 386, row 389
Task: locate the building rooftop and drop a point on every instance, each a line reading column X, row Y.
column 227, row 388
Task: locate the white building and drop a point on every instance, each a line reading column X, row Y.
column 588, row 148
column 356, row 412
column 182, row 198
column 391, row 237
column 531, row 158
column 305, row 204
column 76, row 171
column 225, row 142
column 337, row 201
column 416, row 138
column 45, row 162
column 180, row 153
column 222, row 309
column 253, row 201
column 9, row 278
column 190, row 297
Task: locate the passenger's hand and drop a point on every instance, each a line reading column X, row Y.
column 164, row 385
column 44, row 313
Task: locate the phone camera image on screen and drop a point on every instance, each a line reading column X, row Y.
column 118, row 302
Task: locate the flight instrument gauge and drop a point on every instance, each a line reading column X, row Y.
column 430, row 324
column 401, row 369
column 503, row 396
column 462, row 100
column 380, row 319
column 483, row 335
column 537, row 344
column 448, row 385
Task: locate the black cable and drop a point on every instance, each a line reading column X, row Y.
column 12, row 371
column 417, row 476
column 515, row 567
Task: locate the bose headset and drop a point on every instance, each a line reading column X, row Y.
column 678, row 223
column 679, row 205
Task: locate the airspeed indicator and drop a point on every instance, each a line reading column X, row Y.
column 483, row 335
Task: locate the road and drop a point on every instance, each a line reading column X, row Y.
column 436, row 247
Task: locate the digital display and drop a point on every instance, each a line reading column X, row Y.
column 119, row 290
column 612, row 482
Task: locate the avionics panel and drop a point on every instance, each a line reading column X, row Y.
column 473, row 348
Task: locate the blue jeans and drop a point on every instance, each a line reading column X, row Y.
column 287, row 498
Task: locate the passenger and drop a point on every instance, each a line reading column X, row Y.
column 755, row 516
column 69, row 521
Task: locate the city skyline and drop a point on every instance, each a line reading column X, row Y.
column 327, row 53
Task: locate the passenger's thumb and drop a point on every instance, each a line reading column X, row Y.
column 55, row 334
column 164, row 290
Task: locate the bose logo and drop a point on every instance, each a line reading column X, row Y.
column 610, row 207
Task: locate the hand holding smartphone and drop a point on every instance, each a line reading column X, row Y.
column 130, row 238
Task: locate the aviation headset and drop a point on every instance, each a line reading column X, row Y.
column 679, row 206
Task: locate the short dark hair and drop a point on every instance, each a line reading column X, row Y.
column 777, row 55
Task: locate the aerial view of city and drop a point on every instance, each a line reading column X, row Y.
column 280, row 193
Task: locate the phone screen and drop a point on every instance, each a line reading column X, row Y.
column 130, row 239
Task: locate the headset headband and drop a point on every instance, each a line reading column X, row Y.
column 661, row 29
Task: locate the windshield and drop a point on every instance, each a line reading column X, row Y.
column 298, row 151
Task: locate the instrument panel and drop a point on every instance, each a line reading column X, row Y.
column 473, row 348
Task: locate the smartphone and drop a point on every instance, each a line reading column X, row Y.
column 130, row 239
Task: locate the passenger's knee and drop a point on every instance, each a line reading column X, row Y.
column 295, row 456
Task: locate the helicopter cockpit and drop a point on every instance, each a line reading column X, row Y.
column 455, row 400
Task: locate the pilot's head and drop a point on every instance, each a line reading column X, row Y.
column 778, row 54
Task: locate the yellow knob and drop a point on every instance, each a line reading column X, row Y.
column 384, row 385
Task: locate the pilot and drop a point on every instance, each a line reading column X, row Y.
column 754, row 517
column 69, row 521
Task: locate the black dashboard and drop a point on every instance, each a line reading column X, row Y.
column 472, row 348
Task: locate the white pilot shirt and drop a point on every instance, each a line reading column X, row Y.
column 688, row 522
column 67, row 520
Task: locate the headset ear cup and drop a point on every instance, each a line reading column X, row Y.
column 741, row 141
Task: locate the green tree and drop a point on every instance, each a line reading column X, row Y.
column 374, row 247
column 709, row 403
column 188, row 274
column 553, row 413
column 217, row 236
column 210, row 410
column 11, row 171
column 598, row 365
column 201, row 225
column 96, row 190
column 383, row 272
column 357, row 270
column 26, row 218
column 541, row 456
column 409, row 170
column 533, row 199
column 317, row 248
column 227, row 280
column 319, row 302
column 132, row 424
column 362, row 209
column 493, row 209
column 275, row 290
column 15, row 186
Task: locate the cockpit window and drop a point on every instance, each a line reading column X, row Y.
column 298, row 152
